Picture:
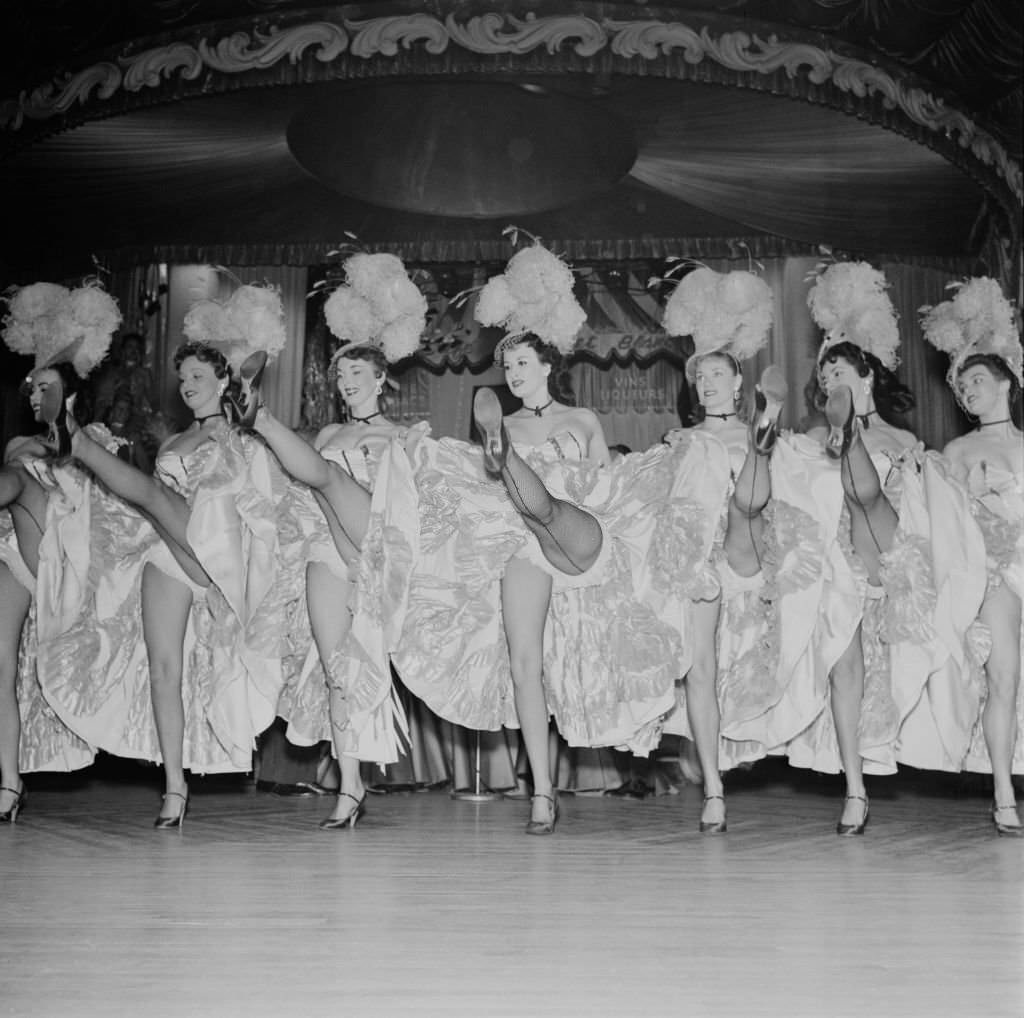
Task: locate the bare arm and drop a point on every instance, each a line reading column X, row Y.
column 597, row 445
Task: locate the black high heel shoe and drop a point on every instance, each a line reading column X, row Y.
column 842, row 422
column 53, row 409
column 769, row 398
column 10, row 816
column 714, row 826
column 250, row 374
column 488, row 416
column 350, row 818
column 543, row 826
column 851, row 830
column 163, row 823
column 1003, row 830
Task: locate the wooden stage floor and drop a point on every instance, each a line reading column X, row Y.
column 434, row 906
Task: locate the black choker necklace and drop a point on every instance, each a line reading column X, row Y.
column 865, row 423
column 367, row 419
column 209, row 417
column 538, row 411
column 721, row 417
column 985, row 424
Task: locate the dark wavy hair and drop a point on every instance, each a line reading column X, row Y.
column 371, row 355
column 559, row 382
column 205, row 353
column 1000, row 369
column 891, row 396
column 697, row 413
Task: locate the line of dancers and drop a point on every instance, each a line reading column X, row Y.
column 843, row 598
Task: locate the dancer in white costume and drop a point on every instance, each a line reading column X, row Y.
column 570, row 572
column 379, row 315
column 213, row 594
column 68, row 332
column 854, row 491
column 729, row 317
column 569, row 538
column 978, row 330
column 31, row 736
column 341, row 468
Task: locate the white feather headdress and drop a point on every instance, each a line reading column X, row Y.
column 978, row 319
column 378, row 305
column 59, row 325
column 850, row 304
column 724, row 312
column 533, row 295
column 251, row 319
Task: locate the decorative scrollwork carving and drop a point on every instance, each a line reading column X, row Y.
column 505, row 33
column 148, row 68
column 385, row 35
column 58, row 97
column 649, row 39
column 234, row 54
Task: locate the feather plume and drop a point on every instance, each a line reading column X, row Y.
column 533, row 294
column 60, row 325
column 378, row 305
column 978, row 319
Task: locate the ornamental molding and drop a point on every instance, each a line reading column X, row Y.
column 497, row 34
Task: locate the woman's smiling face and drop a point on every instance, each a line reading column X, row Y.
column 717, row 384
column 199, row 386
column 357, row 382
column 526, row 374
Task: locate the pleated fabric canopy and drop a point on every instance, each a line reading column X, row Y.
column 264, row 132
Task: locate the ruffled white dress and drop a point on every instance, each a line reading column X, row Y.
column 757, row 717
column 899, row 619
column 374, row 724
column 235, row 642
column 997, row 504
column 615, row 641
column 46, row 744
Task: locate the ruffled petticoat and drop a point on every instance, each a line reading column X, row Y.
column 371, row 720
column 615, row 641
column 756, row 716
column 820, row 618
column 46, row 744
column 999, row 513
column 93, row 662
column 937, row 689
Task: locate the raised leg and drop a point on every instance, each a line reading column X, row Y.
column 26, row 499
column 744, row 536
column 162, row 506
column 166, row 603
column 342, row 496
column 703, row 713
column 873, row 520
column 14, row 605
column 569, row 537
column 525, row 595
column 1001, row 612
